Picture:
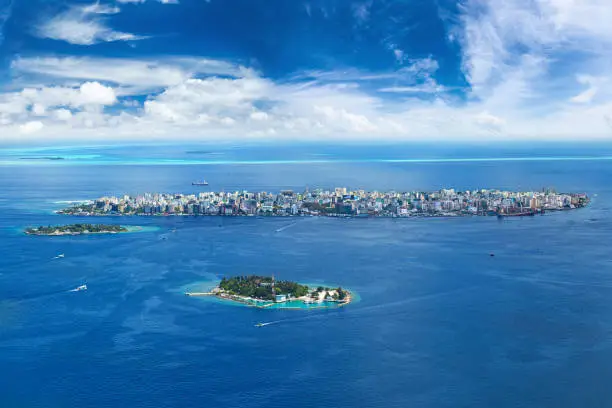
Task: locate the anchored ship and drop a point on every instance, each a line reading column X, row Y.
column 200, row 183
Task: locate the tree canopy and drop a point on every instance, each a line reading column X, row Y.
column 261, row 287
column 75, row 229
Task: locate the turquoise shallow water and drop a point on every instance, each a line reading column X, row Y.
column 226, row 154
column 100, row 160
column 131, row 229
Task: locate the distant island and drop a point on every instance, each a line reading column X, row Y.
column 265, row 292
column 339, row 202
column 75, row 229
column 41, row 158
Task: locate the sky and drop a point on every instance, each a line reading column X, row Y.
column 329, row 70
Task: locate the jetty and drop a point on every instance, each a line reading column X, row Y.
column 200, row 294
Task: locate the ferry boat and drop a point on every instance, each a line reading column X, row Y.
column 199, row 183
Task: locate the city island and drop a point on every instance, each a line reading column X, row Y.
column 266, row 292
column 339, row 202
column 76, row 229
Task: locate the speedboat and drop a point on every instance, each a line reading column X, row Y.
column 260, row 325
column 60, row 256
column 80, row 288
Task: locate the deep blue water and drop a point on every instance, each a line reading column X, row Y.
column 440, row 323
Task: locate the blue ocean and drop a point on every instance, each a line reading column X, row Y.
column 439, row 322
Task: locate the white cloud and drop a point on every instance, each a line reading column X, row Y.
column 62, row 114
column 488, row 120
column 512, row 54
column 135, row 75
column 31, row 127
column 32, row 106
column 213, row 95
column 259, row 116
column 83, row 26
column 5, row 15
column 426, row 87
column 416, row 69
column 586, row 96
column 39, row 110
column 504, row 37
column 253, row 106
column 399, row 55
column 518, row 87
column 361, row 11
column 93, row 93
column 582, row 19
column 88, row 93
column 343, row 120
column 97, row 8
column 594, row 84
column 423, row 66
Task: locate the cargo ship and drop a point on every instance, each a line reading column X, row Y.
column 199, row 183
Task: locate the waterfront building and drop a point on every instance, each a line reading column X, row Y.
column 339, row 202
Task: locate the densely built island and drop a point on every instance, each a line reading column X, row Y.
column 339, row 202
column 76, row 229
column 265, row 292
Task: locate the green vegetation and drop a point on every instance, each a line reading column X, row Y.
column 81, row 208
column 261, row 287
column 74, row 229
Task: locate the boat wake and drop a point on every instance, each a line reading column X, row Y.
column 359, row 313
column 268, row 323
column 286, row 226
column 414, row 299
column 42, row 295
column 537, row 280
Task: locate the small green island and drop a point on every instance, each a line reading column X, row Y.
column 76, row 229
column 266, row 292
